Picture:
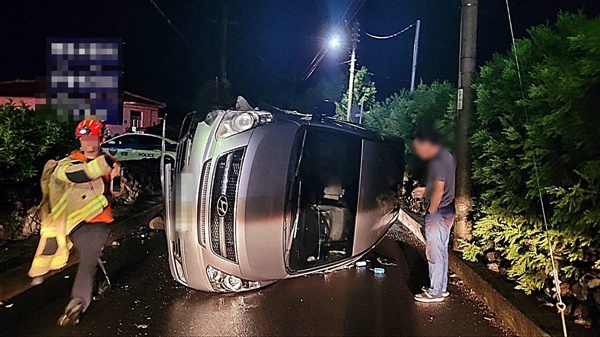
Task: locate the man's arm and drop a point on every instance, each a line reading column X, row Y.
column 84, row 172
column 436, row 196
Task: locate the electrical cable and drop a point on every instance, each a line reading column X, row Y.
column 391, row 35
column 560, row 305
column 174, row 27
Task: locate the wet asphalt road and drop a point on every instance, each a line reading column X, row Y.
column 146, row 301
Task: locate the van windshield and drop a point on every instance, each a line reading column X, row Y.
column 323, row 198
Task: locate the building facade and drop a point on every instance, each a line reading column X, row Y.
column 137, row 114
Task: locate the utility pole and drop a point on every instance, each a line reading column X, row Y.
column 465, row 108
column 415, row 52
column 354, row 38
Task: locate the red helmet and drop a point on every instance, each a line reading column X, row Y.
column 89, row 128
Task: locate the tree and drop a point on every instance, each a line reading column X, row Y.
column 556, row 128
column 404, row 113
column 363, row 93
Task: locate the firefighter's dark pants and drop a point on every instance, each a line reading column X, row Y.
column 88, row 239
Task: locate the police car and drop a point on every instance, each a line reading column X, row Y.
column 137, row 146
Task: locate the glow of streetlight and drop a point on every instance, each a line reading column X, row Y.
column 334, row 42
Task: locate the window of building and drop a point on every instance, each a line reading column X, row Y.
column 136, row 118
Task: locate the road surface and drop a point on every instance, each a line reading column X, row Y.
column 146, row 301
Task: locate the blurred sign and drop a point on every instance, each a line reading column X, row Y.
column 459, row 99
column 84, row 79
column 355, row 115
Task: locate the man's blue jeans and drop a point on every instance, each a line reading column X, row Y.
column 437, row 236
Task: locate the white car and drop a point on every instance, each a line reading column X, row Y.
column 137, row 146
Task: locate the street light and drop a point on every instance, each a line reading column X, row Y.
column 335, row 42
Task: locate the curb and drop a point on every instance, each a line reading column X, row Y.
column 518, row 311
column 16, row 281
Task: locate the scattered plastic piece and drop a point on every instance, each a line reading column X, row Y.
column 361, row 263
column 379, row 270
column 387, row 262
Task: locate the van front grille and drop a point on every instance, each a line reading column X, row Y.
column 203, row 203
column 223, row 202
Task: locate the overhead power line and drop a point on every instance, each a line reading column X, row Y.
column 174, row 27
column 391, row 35
column 417, row 24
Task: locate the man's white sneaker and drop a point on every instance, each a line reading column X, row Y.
column 428, row 298
column 444, row 294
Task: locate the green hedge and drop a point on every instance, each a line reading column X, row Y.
column 27, row 142
column 558, row 124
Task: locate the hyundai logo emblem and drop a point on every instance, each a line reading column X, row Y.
column 222, row 206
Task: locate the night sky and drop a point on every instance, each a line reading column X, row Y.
column 267, row 39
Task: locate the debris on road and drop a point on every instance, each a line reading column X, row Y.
column 379, row 270
column 387, row 261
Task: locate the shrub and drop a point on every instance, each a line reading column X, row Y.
column 26, row 142
column 557, row 123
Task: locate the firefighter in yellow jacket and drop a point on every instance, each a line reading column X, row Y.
column 75, row 213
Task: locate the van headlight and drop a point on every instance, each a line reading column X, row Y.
column 235, row 122
column 223, row 282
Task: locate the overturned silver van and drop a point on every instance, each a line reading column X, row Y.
column 261, row 195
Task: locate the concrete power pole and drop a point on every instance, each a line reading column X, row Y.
column 355, row 36
column 465, row 108
column 415, row 55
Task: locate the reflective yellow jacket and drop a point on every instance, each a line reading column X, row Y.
column 73, row 191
